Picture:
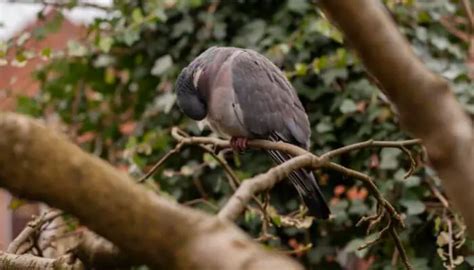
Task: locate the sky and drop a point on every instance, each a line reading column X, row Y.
column 16, row 15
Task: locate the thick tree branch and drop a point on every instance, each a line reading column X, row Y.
column 39, row 164
column 425, row 101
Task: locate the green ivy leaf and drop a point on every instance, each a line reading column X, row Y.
column 322, row 127
column 76, row 49
column 276, row 219
column 299, row 6
column 210, row 160
column 389, row 158
column 137, row 16
column 470, row 260
column 442, row 239
column 420, row 264
column 348, row 106
column 105, row 44
column 130, row 36
column 27, row 105
column 325, row 28
column 414, row 206
column 161, row 65
column 301, row 69
column 332, row 74
column 46, row 52
column 358, row 207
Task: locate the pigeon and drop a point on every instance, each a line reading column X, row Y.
column 242, row 95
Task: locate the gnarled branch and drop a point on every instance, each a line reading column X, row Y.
column 30, row 262
column 255, row 185
column 36, row 163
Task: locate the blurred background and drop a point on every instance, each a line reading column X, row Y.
column 103, row 73
column 16, row 19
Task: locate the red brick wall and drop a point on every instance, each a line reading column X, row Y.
column 16, row 81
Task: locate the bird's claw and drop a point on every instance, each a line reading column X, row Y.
column 238, row 144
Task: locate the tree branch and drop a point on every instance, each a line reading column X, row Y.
column 250, row 187
column 160, row 162
column 370, row 143
column 255, row 185
column 98, row 253
column 30, row 229
column 425, row 101
column 303, row 158
column 148, row 228
column 92, row 250
column 30, row 262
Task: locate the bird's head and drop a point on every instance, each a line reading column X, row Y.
column 190, row 100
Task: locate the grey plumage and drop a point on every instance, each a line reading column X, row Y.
column 243, row 94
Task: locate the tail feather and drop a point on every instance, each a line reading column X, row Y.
column 306, row 185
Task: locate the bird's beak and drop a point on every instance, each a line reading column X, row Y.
column 202, row 124
column 196, row 76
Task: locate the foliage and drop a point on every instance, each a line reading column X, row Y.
column 114, row 92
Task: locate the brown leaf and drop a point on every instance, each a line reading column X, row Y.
column 127, row 128
column 85, row 137
column 374, row 161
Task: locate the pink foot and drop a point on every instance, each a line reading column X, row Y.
column 239, row 144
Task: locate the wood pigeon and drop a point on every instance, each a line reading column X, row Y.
column 242, row 95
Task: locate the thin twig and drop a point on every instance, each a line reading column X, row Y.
column 437, row 194
column 372, row 220
column 160, row 162
column 31, row 229
column 265, row 218
column 299, row 250
column 395, row 258
column 302, row 158
column 233, row 178
column 450, row 243
column 379, row 237
column 412, row 162
column 203, row 201
column 400, row 248
column 469, row 14
column 454, row 30
column 370, row 143
column 234, row 181
column 200, row 188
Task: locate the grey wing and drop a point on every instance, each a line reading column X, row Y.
column 268, row 102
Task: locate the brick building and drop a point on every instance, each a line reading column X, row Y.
column 17, row 81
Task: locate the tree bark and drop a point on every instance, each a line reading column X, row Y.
column 38, row 164
column 30, row 262
column 426, row 104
